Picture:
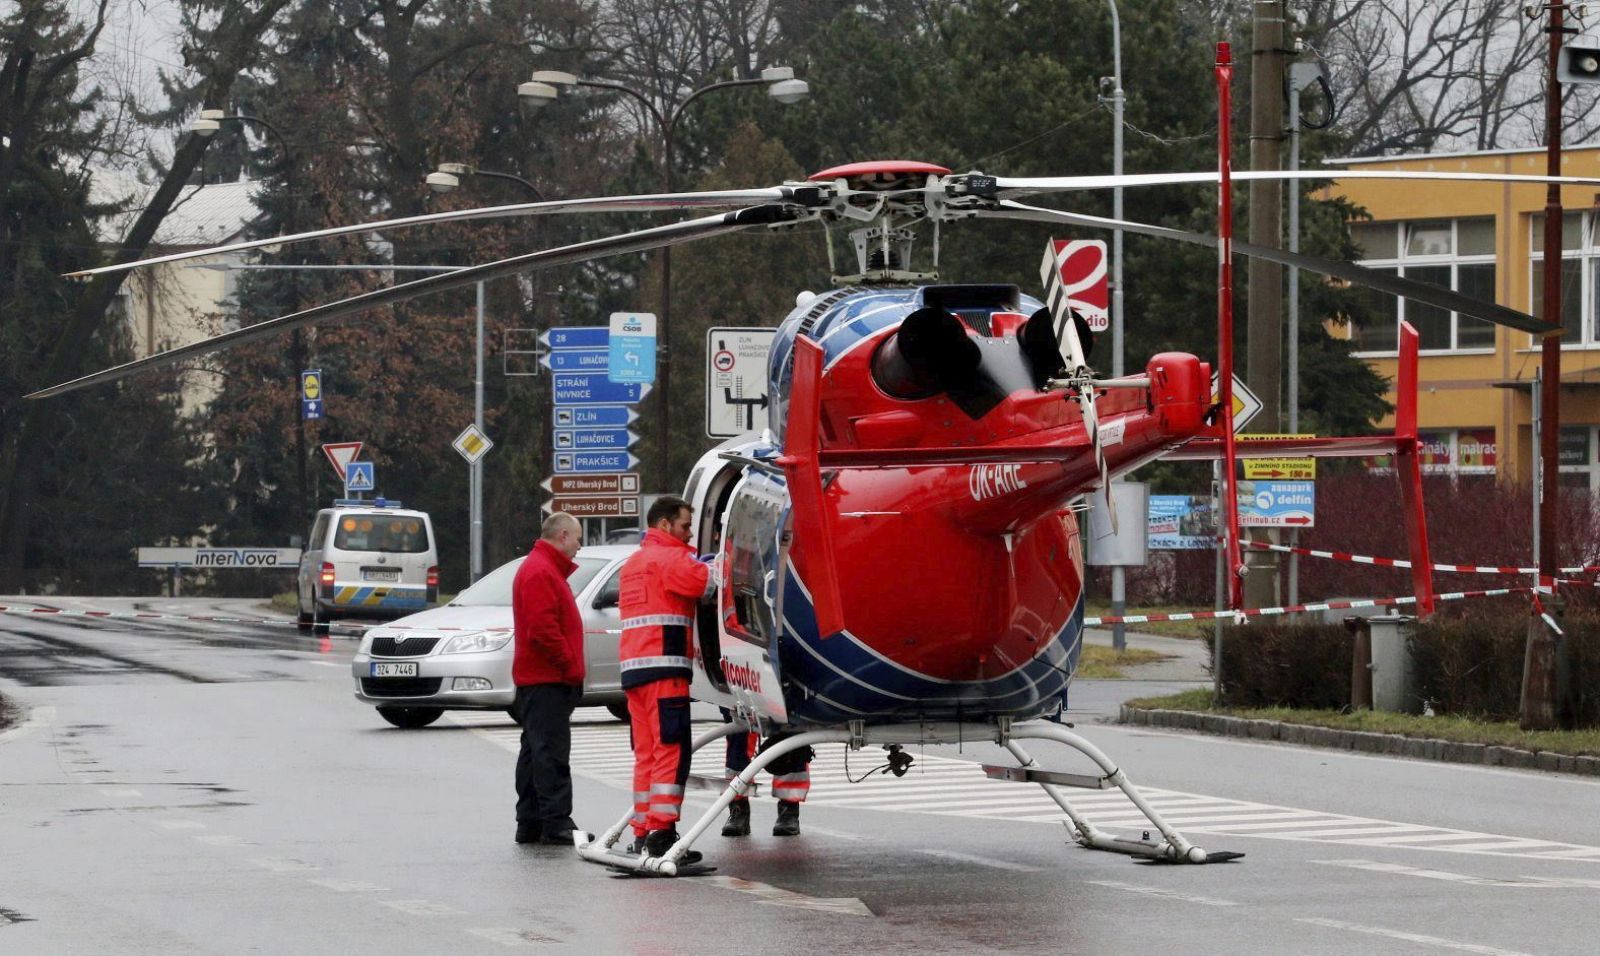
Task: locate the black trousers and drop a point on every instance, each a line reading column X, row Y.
column 544, row 779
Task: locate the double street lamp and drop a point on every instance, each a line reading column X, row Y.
column 206, row 126
column 545, row 86
column 446, row 178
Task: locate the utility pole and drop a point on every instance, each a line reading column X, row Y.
column 1539, row 662
column 1264, row 326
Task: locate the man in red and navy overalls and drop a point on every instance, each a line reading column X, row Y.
column 661, row 587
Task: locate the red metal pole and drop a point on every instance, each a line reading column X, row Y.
column 1230, row 494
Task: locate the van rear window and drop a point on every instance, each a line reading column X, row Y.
column 395, row 534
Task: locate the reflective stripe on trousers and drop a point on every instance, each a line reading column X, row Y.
column 660, row 767
column 792, row 786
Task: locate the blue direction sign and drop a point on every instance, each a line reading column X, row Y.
column 575, row 360
column 594, row 438
column 593, row 462
column 632, row 347
column 595, row 416
column 581, row 389
column 577, row 337
column 359, row 476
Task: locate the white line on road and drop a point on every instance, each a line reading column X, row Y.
column 1402, row 870
column 981, row 860
column 1164, row 894
column 279, row 864
column 424, row 908
column 349, row 886
column 180, row 824
column 1410, row 937
column 225, row 839
column 506, row 936
column 120, row 792
column 777, row 896
column 328, row 664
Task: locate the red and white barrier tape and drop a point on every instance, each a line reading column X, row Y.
column 1297, row 608
column 1404, row 563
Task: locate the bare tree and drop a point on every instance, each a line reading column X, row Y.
column 1414, row 75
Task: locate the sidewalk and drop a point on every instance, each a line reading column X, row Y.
column 1101, row 700
column 1188, row 657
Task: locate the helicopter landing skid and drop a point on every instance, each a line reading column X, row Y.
column 1171, row 848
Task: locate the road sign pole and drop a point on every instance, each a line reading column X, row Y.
column 475, row 492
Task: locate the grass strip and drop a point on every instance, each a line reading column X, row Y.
column 1098, row 662
column 1455, row 728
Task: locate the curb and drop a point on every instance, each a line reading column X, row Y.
column 1361, row 741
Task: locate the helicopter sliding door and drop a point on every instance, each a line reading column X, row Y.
column 752, row 569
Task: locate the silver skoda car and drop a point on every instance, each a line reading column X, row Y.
column 458, row 657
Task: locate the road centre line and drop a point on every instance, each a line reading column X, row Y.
column 982, row 861
column 778, row 896
column 1164, row 894
column 1403, row 870
column 1409, row 937
column 423, row 908
column 349, row 886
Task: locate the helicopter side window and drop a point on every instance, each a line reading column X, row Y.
column 753, row 525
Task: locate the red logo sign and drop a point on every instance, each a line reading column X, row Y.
column 1081, row 270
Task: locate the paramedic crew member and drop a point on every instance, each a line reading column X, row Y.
column 661, row 586
column 548, row 668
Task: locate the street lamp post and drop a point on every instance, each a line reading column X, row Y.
column 207, row 125
column 1119, row 574
column 445, row 178
column 545, row 86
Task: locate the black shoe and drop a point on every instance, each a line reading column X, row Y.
column 788, row 819
column 556, row 838
column 529, row 833
column 738, row 824
column 658, row 842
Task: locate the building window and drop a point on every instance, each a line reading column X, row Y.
column 1579, row 259
column 1455, row 254
column 1576, row 458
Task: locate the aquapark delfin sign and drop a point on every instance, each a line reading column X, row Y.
column 253, row 558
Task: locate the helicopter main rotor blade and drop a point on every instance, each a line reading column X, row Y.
column 1006, row 187
column 639, row 241
column 802, row 195
column 1337, row 268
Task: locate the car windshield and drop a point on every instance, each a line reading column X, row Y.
column 494, row 589
column 394, row 534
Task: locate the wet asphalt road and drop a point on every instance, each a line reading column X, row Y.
column 202, row 788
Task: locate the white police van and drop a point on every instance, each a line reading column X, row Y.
column 367, row 559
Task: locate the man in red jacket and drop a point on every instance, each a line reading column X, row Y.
column 547, row 667
column 660, row 588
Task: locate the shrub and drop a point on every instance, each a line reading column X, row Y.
column 1277, row 664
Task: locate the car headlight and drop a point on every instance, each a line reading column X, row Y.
column 476, row 643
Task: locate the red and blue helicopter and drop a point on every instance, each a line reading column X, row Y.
column 902, row 552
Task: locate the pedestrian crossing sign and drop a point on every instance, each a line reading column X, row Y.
column 358, row 476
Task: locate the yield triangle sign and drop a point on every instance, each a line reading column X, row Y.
column 341, row 454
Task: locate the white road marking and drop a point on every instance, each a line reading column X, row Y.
column 1164, row 894
column 37, row 717
column 947, row 786
column 424, row 908
column 506, row 936
column 1410, row 937
column 180, row 824
column 1529, row 882
column 224, row 839
column 1445, row 875
column 349, row 886
column 329, row 664
column 981, row 860
column 777, row 896
column 120, row 792
column 283, row 865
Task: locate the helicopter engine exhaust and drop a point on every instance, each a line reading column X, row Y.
column 930, row 353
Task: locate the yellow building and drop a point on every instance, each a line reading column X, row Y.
column 1486, row 240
